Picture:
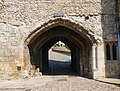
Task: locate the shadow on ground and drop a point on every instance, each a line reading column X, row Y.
column 60, row 68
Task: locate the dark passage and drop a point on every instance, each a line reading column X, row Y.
column 59, row 64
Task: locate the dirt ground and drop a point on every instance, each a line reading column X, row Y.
column 61, row 78
column 56, row 83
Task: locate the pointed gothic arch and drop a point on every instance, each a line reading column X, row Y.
column 75, row 36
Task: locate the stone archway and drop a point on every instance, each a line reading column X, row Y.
column 78, row 39
column 75, row 53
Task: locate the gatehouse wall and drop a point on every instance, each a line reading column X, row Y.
column 20, row 18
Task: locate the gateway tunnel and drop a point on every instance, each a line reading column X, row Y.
column 78, row 43
column 60, row 60
column 74, row 51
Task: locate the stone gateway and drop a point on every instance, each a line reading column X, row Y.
column 29, row 28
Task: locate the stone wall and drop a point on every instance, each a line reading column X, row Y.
column 108, row 19
column 18, row 18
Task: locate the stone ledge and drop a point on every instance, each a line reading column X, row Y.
column 109, row 81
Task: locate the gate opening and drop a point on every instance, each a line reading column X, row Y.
column 59, row 57
column 41, row 46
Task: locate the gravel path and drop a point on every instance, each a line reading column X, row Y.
column 57, row 83
column 76, row 84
